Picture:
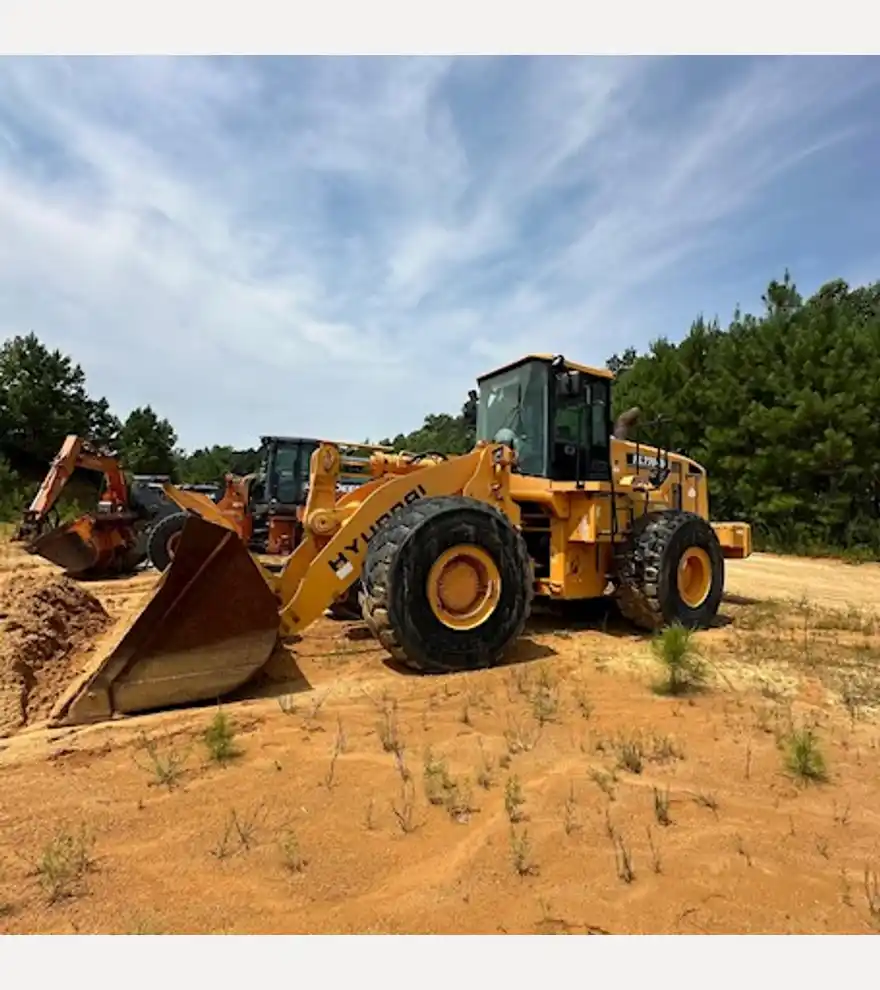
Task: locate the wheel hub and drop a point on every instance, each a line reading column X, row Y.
column 694, row 577
column 464, row 587
column 171, row 545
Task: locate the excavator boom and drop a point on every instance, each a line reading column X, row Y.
column 94, row 543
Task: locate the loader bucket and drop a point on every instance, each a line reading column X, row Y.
column 70, row 547
column 207, row 628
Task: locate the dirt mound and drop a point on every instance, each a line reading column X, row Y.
column 46, row 625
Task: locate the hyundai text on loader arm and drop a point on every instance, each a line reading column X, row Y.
column 450, row 551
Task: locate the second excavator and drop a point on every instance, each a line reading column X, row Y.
column 112, row 538
column 451, row 551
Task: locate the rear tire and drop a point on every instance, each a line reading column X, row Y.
column 163, row 538
column 402, row 589
column 670, row 570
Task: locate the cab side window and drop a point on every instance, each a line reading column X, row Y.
column 581, row 442
column 285, row 481
column 600, row 434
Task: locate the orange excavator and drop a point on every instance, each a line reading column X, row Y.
column 112, row 539
column 105, row 541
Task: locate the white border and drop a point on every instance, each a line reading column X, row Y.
column 39, row 26
column 450, row 27
column 498, row 962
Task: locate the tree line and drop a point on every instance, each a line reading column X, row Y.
column 778, row 406
column 781, row 409
column 44, row 397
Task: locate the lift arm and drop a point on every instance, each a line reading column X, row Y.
column 331, row 555
column 75, row 453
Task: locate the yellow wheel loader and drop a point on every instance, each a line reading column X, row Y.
column 552, row 502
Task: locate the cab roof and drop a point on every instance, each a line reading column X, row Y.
column 547, row 358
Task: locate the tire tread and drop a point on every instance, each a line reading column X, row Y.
column 639, row 563
column 391, row 539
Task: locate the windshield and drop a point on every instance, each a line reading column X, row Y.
column 513, row 410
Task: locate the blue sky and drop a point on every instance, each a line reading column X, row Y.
column 339, row 246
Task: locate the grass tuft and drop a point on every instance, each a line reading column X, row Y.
column 219, row 738
column 63, row 863
column 803, row 756
column 684, row 669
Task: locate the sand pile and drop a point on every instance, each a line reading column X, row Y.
column 47, row 624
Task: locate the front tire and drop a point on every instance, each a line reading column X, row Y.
column 670, row 570
column 447, row 585
column 163, row 540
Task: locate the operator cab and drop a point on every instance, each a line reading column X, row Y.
column 284, row 474
column 554, row 413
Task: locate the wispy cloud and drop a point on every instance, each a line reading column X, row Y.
column 337, row 246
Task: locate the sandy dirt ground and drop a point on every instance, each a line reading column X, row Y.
column 828, row 583
column 559, row 794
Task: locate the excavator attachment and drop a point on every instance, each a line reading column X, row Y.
column 96, row 544
column 209, row 625
column 71, row 547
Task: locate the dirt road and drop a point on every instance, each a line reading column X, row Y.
column 828, row 583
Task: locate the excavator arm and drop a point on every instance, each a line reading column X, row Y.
column 97, row 543
column 74, row 453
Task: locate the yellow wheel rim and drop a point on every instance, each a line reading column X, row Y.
column 694, row 577
column 464, row 587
